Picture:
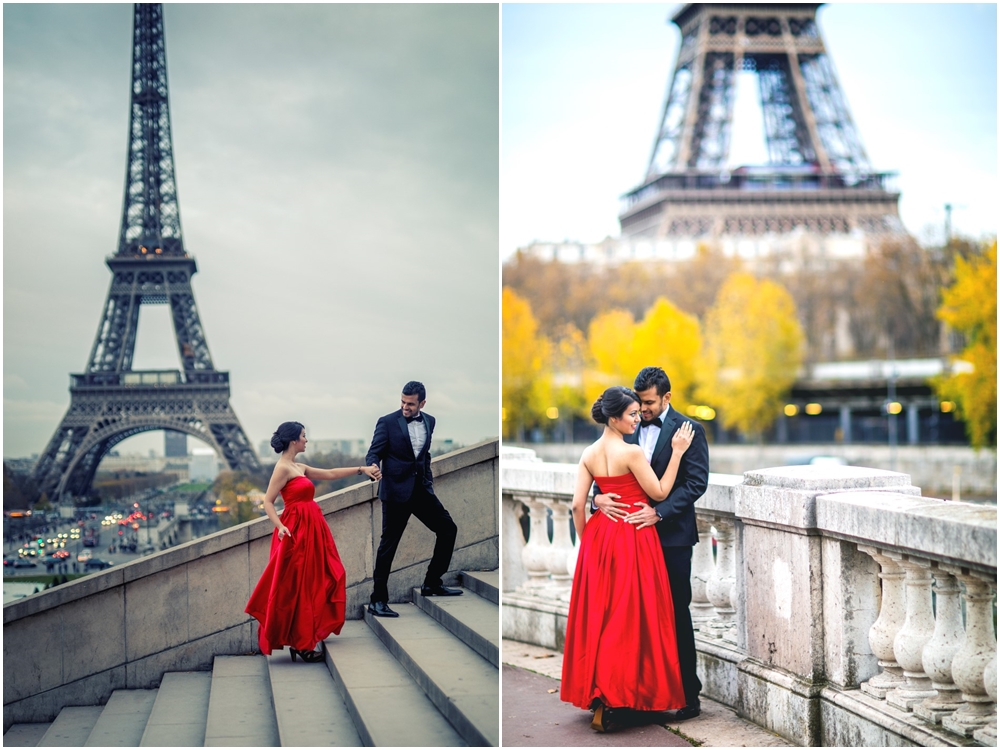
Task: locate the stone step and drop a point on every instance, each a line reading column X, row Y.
column 123, row 719
column 180, row 711
column 309, row 708
column 462, row 684
column 24, row 735
column 71, row 727
column 387, row 705
column 240, row 707
column 473, row 619
column 486, row 583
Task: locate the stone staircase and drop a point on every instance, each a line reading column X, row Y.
column 429, row 678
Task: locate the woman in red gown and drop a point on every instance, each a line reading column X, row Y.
column 300, row 597
column 621, row 650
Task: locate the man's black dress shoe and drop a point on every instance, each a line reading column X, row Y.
column 439, row 591
column 381, row 609
column 683, row 714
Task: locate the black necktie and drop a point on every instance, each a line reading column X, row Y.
column 655, row 420
column 418, row 418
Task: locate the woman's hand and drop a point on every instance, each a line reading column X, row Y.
column 283, row 531
column 682, row 439
column 372, row 472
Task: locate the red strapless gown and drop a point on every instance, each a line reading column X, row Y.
column 620, row 644
column 301, row 595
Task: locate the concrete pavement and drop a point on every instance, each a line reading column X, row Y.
column 534, row 716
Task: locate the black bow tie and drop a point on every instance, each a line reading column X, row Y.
column 418, row 418
column 655, row 420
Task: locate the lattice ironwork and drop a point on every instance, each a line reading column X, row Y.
column 110, row 402
column 812, row 143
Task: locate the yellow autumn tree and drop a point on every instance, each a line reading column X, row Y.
column 671, row 339
column 570, row 360
column 610, row 339
column 753, row 350
column 969, row 305
column 526, row 376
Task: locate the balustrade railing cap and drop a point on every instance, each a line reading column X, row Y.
column 786, row 496
column 537, row 478
column 965, row 533
column 818, row 478
column 513, row 453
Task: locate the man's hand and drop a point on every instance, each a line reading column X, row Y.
column 643, row 517
column 609, row 506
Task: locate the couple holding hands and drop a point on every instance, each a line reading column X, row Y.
column 300, row 598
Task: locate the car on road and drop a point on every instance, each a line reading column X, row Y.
column 24, row 563
column 98, row 564
column 84, row 556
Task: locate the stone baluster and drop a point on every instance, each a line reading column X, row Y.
column 883, row 633
column 535, row 552
column 969, row 665
column 720, row 587
column 987, row 735
column 557, row 555
column 702, row 569
column 917, row 630
column 949, row 635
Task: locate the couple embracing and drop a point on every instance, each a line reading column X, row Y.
column 629, row 653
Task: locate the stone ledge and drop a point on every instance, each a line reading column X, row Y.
column 537, row 479
column 719, row 497
column 873, row 724
column 931, row 528
column 786, row 496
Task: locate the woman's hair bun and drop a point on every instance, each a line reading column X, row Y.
column 596, row 411
column 612, row 403
column 286, row 433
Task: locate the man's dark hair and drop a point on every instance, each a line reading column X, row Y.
column 650, row 376
column 415, row 388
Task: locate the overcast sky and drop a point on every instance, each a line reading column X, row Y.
column 337, row 172
column 584, row 86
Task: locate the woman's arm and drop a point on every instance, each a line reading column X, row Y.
column 372, row 472
column 637, row 464
column 278, row 479
column 580, row 494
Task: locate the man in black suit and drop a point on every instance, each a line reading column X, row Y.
column 402, row 445
column 674, row 517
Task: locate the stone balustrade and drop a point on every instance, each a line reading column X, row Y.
column 178, row 609
column 839, row 607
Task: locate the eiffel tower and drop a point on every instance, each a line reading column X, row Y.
column 110, row 401
column 817, row 178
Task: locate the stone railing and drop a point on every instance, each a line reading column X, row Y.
column 839, row 608
column 178, row 609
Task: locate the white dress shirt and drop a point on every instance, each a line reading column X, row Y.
column 418, row 435
column 649, row 435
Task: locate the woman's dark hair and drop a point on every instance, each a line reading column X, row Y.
column 612, row 403
column 285, row 435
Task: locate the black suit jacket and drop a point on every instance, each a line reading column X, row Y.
column 678, row 527
column 392, row 450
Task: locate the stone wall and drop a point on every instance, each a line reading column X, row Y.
column 178, row 609
column 831, row 612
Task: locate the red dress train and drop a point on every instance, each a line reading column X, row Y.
column 620, row 644
column 301, row 595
